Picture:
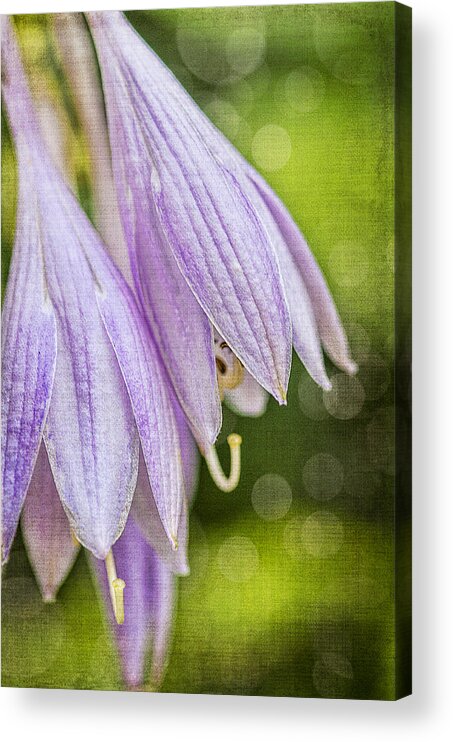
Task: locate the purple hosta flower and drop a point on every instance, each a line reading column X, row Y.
column 83, row 387
column 209, row 241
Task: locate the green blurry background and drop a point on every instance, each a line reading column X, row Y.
column 291, row 589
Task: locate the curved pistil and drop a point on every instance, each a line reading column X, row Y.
column 226, row 484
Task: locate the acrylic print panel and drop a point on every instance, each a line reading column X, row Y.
column 206, row 472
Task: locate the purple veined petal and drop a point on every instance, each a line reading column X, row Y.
column 306, row 339
column 328, row 322
column 81, row 69
column 212, row 228
column 144, row 509
column 90, row 434
column 189, row 454
column 48, row 541
column 144, row 595
column 109, row 379
column 146, row 515
column 150, row 395
column 249, row 399
column 144, row 388
column 29, row 347
column 181, row 328
column 331, row 332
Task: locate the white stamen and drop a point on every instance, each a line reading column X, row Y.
column 116, row 587
column 226, row 484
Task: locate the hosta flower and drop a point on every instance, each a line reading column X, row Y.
column 226, row 279
column 84, row 393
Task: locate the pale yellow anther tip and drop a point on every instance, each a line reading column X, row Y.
column 174, row 542
column 282, row 393
column 118, row 590
column 234, row 440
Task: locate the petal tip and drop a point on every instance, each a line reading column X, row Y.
column 282, row 395
column 49, row 595
column 350, row 367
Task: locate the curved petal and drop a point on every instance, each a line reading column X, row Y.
column 248, row 399
column 181, row 328
column 146, row 515
column 144, row 508
column 134, row 366
column 45, row 528
column 189, row 453
column 149, row 394
column 91, row 436
column 90, row 432
column 214, row 233
column 329, row 325
column 306, row 340
column 29, row 348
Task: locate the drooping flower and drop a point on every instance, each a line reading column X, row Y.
column 209, row 240
column 81, row 375
column 188, row 229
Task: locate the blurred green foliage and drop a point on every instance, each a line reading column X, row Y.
column 310, row 611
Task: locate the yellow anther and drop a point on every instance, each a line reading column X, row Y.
column 230, row 371
column 234, row 440
column 116, row 587
column 74, row 539
column 226, row 484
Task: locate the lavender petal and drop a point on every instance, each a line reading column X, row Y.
column 145, row 626
column 212, row 228
column 331, row 332
column 29, row 347
column 249, row 399
column 45, row 528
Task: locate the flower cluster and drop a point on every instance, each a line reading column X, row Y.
column 110, row 390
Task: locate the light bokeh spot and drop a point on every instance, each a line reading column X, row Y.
column 245, row 49
column 320, row 535
column 346, row 398
column 271, row 147
column 310, row 398
column 271, row 497
column 304, row 89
